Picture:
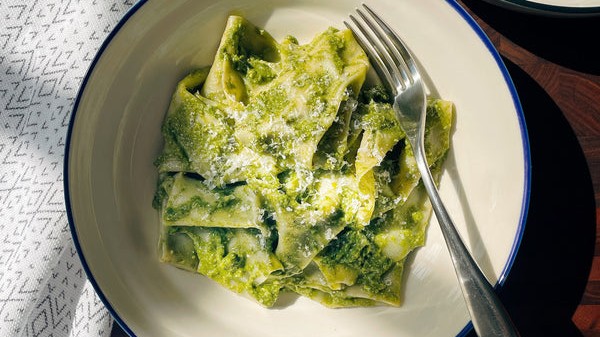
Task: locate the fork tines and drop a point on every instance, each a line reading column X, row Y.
column 389, row 55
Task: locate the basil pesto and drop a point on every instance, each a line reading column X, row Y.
column 282, row 171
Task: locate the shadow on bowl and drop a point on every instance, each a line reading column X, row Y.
column 550, row 273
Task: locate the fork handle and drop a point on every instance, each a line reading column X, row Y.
column 488, row 315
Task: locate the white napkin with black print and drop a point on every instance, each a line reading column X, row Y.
column 46, row 47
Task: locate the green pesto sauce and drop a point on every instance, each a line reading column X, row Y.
column 289, row 121
column 174, row 153
column 353, row 249
column 259, row 72
column 232, row 269
column 270, row 102
column 381, row 117
column 198, row 139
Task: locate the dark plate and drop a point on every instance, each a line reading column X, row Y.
column 546, row 9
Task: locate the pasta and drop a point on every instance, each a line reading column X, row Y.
column 282, row 171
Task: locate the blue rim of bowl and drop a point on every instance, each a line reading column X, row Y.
column 526, row 149
column 537, row 8
column 460, row 10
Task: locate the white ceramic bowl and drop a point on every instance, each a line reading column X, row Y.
column 114, row 138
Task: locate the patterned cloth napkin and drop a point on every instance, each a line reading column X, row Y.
column 46, row 47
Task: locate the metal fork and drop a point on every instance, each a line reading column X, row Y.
column 397, row 69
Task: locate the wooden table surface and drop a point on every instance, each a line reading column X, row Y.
column 554, row 286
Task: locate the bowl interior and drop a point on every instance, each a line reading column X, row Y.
column 115, row 137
